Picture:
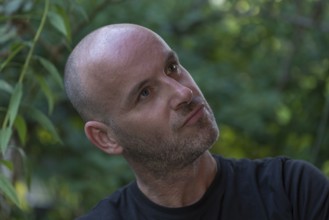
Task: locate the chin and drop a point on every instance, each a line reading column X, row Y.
column 211, row 135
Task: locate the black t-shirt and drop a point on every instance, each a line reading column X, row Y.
column 271, row 188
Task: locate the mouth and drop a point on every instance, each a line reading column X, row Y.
column 195, row 115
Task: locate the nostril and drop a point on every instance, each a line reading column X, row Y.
column 182, row 97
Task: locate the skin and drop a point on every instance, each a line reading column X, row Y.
column 147, row 108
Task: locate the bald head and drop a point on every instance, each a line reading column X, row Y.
column 98, row 58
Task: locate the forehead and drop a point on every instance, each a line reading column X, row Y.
column 134, row 52
column 138, row 48
column 141, row 62
column 121, row 58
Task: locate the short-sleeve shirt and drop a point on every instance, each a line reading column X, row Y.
column 265, row 189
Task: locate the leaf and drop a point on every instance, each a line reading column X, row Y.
column 21, row 128
column 64, row 15
column 16, row 49
column 60, row 22
column 6, row 34
column 7, row 163
column 44, row 121
column 6, row 86
column 82, row 12
column 48, row 93
column 51, row 68
column 14, row 103
column 13, row 6
column 5, row 134
column 8, row 190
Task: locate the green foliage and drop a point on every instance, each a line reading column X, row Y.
column 8, row 189
column 262, row 65
column 18, row 69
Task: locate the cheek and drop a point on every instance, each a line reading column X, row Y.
column 151, row 121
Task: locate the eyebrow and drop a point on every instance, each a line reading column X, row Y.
column 172, row 54
column 136, row 88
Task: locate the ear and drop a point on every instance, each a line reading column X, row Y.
column 102, row 137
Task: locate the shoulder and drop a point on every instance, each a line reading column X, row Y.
column 301, row 177
column 297, row 184
column 280, row 163
column 110, row 207
column 302, row 168
column 281, row 170
column 307, row 189
column 252, row 165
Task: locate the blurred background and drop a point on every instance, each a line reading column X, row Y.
column 263, row 65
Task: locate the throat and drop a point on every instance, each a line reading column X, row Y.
column 183, row 188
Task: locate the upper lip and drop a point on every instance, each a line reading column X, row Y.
column 192, row 113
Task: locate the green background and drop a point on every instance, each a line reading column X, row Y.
column 263, row 65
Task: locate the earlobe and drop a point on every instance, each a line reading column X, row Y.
column 100, row 135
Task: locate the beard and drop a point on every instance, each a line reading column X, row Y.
column 161, row 155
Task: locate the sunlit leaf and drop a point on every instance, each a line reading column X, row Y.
column 283, row 114
column 51, row 68
column 21, row 128
column 8, row 190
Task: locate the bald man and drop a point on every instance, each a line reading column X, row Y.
column 138, row 101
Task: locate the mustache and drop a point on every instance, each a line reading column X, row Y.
column 188, row 107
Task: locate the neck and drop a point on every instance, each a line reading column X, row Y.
column 181, row 187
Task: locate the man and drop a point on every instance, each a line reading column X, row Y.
column 138, row 101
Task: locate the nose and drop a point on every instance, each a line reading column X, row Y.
column 180, row 96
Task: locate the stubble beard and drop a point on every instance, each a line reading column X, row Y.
column 162, row 156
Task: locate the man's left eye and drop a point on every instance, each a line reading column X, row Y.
column 172, row 68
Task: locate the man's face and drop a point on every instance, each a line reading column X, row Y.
column 160, row 116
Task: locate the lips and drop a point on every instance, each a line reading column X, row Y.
column 195, row 115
